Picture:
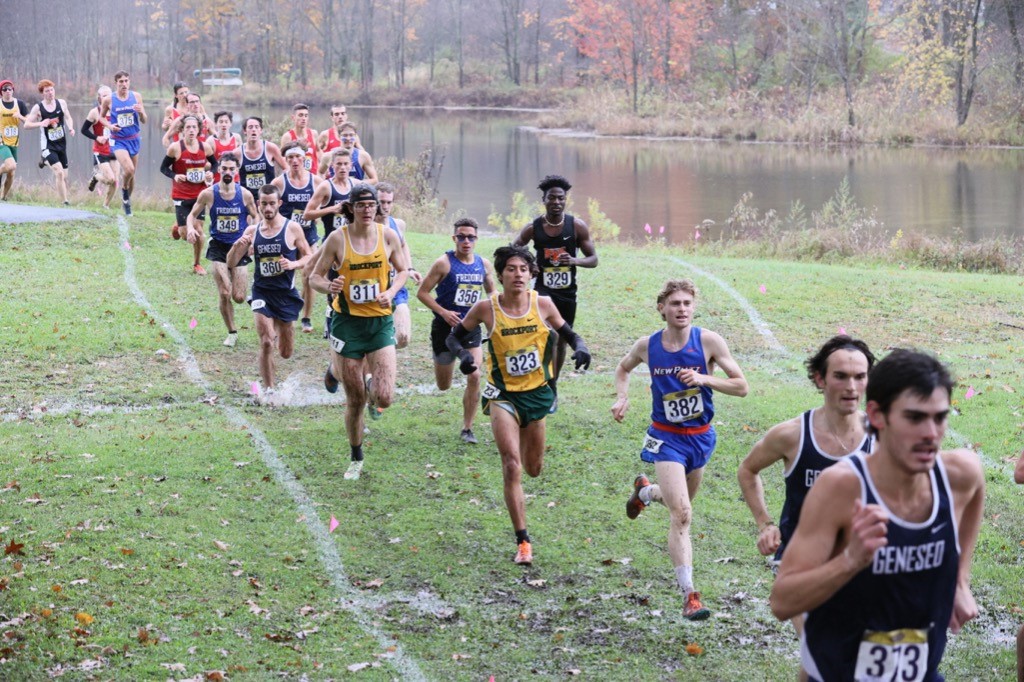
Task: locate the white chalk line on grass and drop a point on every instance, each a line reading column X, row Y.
column 352, row 600
column 765, row 331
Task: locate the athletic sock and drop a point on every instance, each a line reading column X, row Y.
column 684, row 576
column 357, row 453
column 124, row 195
column 522, row 536
column 645, row 494
column 233, row 331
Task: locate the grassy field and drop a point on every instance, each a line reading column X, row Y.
column 157, row 524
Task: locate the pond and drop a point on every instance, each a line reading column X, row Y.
column 488, row 155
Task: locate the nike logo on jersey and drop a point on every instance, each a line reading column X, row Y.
column 939, row 527
column 566, row 238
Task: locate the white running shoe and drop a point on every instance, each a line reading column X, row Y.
column 231, row 340
column 354, row 469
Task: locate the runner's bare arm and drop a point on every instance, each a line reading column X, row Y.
column 301, row 245
column 328, row 255
column 70, row 122
column 524, row 237
column 967, row 480
column 716, row 351
column 241, row 247
column 636, row 355
column 396, row 255
column 438, row 271
column 369, row 170
column 780, row 443
column 836, row 538
column 315, row 207
column 489, row 285
column 203, row 202
column 586, row 245
column 1018, row 471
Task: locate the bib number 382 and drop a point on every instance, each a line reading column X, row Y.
column 682, row 406
column 522, row 362
column 896, row 656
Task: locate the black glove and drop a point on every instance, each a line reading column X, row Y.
column 581, row 356
column 467, row 365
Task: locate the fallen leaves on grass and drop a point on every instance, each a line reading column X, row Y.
column 84, row 618
column 14, row 548
column 694, row 649
column 539, row 582
column 220, row 545
column 623, row 561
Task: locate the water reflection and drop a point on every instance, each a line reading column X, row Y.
column 489, row 155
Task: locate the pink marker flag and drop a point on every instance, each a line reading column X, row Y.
column 127, row 246
column 661, row 230
column 255, row 388
column 193, row 323
column 763, row 289
column 647, row 228
column 334, row 524
column 842, row 330
column 698, row 235
column 970, row 393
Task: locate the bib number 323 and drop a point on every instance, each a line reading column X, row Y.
column 523, row 361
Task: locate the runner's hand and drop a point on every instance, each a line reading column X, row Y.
column 581, row 357
column 868, row 533
column 467, row 365
column 451, row 318
column 619, row 409
column 769, row 539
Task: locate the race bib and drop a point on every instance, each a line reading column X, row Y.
column 652, row 444
column 10, row 131
column 255, row 181
column 126, row 120
column 308, row 163
column 523, row 361
column 297, row 217
column 899, row 655
column 466, row 295
column 196, row 176
column 363, row 291
column 491, row 392
column 258, row 303
column 54, row 134
column 226, row 224
column 270, row 267
column 557, row 278
column 682, row 406
column 336, row 344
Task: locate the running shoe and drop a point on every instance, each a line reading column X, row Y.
column 694, row 610
column 371, row 407
column 92, row 183
column 634, row 505
column 307, row 326
column 354, row 469
column 175, row 233
column 524, row 555
column 231, row 340
column 42, row 163
column 198, row 269
column 330, row 382
column 468, row 437
column 127, row 206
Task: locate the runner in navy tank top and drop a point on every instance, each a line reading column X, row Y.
column 231, row 210
column 810, row 443
column 279, row 249
column 880, row 561
column 681, row 438
column 259, row 158
column 297, row 187
column 461, row 277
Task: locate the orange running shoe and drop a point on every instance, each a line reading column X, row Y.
column 694, row 610
column 198, row 269
column 175, row 233
column 524, row 555
column 634, row 505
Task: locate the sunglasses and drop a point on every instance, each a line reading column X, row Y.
column 466, row 237
column 6, row 88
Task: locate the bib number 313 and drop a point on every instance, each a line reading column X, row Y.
column 899, row 656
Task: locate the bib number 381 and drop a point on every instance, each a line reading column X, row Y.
column 896, row 656
column 682, row 406
column 522, row 362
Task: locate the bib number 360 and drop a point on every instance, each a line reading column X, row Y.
column 899, row 656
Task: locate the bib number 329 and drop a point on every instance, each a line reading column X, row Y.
column 557, row 278
column 899, row 656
